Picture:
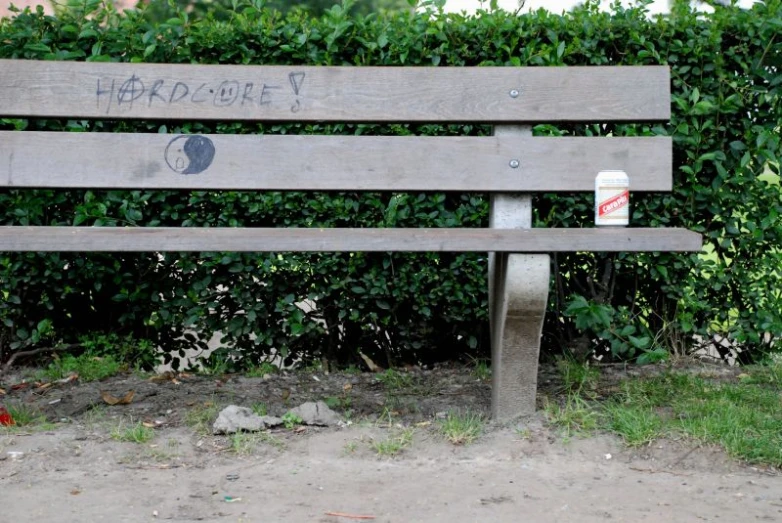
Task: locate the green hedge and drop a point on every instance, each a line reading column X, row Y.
column 418, row 307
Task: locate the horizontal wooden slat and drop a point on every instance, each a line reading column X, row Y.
column 108, row 239
column 345, row 94
column 108, row 160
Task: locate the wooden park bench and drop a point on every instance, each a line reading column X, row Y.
column 510, row 165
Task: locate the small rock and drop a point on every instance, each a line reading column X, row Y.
column 15, row 455
column 316, row 414
column 272, row 421
column 234, row 419
column 441, row 415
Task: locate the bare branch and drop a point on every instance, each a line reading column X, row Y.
column 26, row 353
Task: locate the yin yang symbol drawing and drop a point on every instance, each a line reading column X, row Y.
column 190, row 154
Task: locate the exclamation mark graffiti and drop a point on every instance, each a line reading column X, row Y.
column 296, row 80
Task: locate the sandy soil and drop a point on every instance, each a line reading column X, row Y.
column 525, row 472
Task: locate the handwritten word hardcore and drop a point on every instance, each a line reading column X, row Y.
column 136, row 90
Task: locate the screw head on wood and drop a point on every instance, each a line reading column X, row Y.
column 514, row 93
column 514, row 164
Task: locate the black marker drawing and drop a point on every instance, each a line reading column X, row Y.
column 154, row 92
column 296, row 80
column 124, row 91
column 227, row 93
column 246, row 95
column 131, row 90
column 175, row 96
column 200, row 100
column 266, row 94
column 110, row 92
column 190, row 154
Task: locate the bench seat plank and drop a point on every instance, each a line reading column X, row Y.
column 31, row 88
column 349, row 163
column 175, row 239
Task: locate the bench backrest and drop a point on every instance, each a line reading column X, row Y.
column 330, row 94
column 510, row 161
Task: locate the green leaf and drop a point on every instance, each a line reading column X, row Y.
column 640, row 343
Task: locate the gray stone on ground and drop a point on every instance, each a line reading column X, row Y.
column 319, row 413
column 234, row 419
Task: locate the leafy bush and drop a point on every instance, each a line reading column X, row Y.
column 414, row 307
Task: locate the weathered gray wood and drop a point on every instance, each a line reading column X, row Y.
column 108, row 160
column 346, row 94
column 176, row 239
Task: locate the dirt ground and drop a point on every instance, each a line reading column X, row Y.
column 76, row 472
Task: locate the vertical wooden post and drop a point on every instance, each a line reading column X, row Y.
column 518, row 293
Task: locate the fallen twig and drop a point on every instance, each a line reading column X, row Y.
column 25, row 353
column 652, row 471
column 351, row 516
column 164, row 466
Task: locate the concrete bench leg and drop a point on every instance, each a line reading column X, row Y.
column 518, row 293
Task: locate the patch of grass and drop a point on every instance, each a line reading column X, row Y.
column 246, row 443
column 26, row 418
column 574, row 416
column 577, row 377
column 260, row 409
column 394, row 444
column 743, row 416
column 482, row 370
column 88, row 366
column 388, row 415
column 770, row 374
column 338, row 402
column 201, row 417
column 262, row 370
column 352, row 370
column 636, row 424
column 269, row 439
column 162, row 454
column 311, row 367
column 139, row 354
column 350, row 447
column 291, row 420
column 133, row 433
column 396, row 405
column 213, row 366
column 462, row 428
column 745, row 419
column 95, row 416
column 393, row 380
column 243, row 443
